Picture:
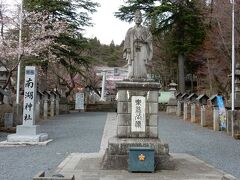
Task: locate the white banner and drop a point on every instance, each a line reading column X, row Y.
column 79, row 102
column 138, row 114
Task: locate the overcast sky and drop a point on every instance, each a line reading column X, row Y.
column 106, row 27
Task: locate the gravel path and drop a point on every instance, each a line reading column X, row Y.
column 76, row 132
column 215, row 148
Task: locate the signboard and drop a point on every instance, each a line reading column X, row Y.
column 79, row 102
column 29, row 96
column 138, row 114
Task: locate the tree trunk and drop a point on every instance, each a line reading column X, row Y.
column 181, row 80
column 43, row 85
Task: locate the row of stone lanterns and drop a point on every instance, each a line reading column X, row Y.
column 185, row 105
column 47, row 104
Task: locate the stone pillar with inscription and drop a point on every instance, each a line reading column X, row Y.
column 29, row 131
column 137, row 125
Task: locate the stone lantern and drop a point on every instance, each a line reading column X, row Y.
column 172, row 86
column 172, row 102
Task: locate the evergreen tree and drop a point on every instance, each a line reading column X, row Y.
column 179, row 19
column 69, row 46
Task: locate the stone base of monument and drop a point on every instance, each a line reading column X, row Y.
column 116, row 155
column 26, row 133
column 137, row 125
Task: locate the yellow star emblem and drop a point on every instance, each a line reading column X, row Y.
column 141, row 157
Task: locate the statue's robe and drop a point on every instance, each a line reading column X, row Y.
column 138, row 51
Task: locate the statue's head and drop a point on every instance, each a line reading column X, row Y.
column 138, row 17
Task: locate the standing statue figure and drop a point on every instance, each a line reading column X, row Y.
column 138, row 49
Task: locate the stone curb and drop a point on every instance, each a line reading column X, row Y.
column 20, row 144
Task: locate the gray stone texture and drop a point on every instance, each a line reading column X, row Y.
column 153, row 108
column 153, row 96
column 203, row 117
column 153, row 121
column 172, row 106
column 27, row 138
column 122, row 95
column 116, row 154
column 122, row 107
column 179, row 108
column 124, row 119
column 128, row 88
column 233, row 123
column 193, row 109
column 28, row 130
column 26, row 133
column 185, row 111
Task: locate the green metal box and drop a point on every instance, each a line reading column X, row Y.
column 141, row 159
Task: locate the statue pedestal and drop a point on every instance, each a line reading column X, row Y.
column 128, row 134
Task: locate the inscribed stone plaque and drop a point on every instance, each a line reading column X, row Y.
column 79, row 103
column 138, row 114
column 29, row 95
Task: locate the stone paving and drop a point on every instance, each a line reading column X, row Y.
column 82, row 132
column 216, row 148
column 75, row 132
column 86, row 166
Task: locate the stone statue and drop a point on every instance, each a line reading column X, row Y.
column 138, row 49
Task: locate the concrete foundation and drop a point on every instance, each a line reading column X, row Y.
column 116, row 155
column 27, row 134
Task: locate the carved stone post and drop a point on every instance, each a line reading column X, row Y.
column 192, row 99
column 185, row 106
column 57, row 102
column 52, row 103
column 202, row 100
column 45, row 104
column 179, row 104
column 216, row 122
column 29, row 131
